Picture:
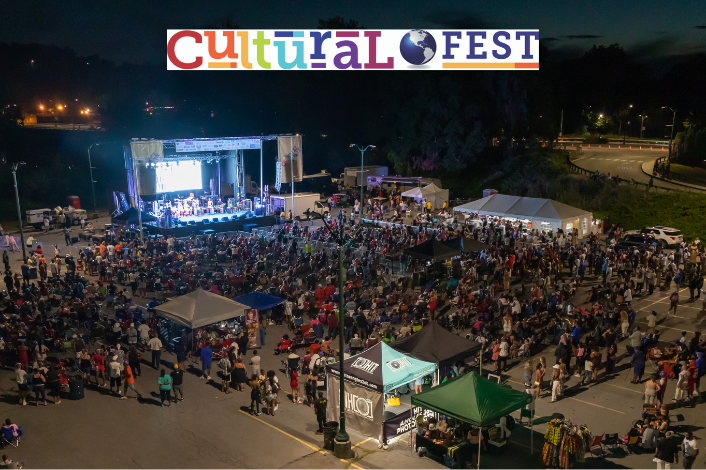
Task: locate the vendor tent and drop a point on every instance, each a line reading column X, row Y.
column 434, row 343
column 432, row 250
column 473, row 399
column 432, row 193
column 367, row 377
column 544, row 214
column 130, row 217
column 200, row 308
column 258, row 300
column 466, row 245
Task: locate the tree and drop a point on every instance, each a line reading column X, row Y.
column 339, row 22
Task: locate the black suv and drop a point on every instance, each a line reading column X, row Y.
column 631, row 242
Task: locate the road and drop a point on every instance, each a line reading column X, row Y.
column 624, row 163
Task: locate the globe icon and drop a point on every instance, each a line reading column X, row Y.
column 418, row 47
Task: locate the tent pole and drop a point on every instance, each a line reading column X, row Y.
column 531, row 432
column 480, row 438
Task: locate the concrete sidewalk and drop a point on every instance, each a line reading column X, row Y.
column 647, row 169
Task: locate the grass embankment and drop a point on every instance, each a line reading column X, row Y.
column 687, row 174
column 545, row 174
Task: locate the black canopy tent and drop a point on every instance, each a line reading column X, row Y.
column 433, row 250
column 466, row 245
column 434, row 343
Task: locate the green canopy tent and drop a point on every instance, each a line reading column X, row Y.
column 473, row 399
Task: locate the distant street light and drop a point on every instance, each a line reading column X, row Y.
column 620, row 125
column 642, row 123
column 362, row 171
column 671, row 134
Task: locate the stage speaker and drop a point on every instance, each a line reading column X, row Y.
column 215, row 219
column 248, row 214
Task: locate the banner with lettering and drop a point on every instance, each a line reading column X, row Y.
column 363, row 407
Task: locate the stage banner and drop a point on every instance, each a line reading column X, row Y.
column 253, row 323
column 363, row 407
column 195, row 145
column 146, row 149
column 290, row 153
column 403, row 423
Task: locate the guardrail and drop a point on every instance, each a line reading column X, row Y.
column 577, row 169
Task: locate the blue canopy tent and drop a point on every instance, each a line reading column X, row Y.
column 259, row 301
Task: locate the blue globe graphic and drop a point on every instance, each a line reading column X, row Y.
column 418, row 47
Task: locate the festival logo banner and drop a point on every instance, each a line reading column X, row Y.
column 289, row 156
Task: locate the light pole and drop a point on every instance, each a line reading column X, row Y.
column 362, row 172
column 14, row 167
column 342, row 441
column 671, row 134
column 93, row 189
column 642, row 124
column 620, row 126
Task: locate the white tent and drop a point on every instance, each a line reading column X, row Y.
column 200, row 308
column 432, row 193
column 545, row 214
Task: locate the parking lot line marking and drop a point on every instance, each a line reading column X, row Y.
column 667, row 327
column 352, row 464
column 285, row 433
column 628, row 389
column 362, row 442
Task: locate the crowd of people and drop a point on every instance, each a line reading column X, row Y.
column 516, row 296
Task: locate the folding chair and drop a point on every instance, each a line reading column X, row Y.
column 597, row 442
column 611, row 440
column 9, row 439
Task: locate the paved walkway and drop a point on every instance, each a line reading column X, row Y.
column 647, row 169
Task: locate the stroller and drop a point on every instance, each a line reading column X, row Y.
column 291, row 364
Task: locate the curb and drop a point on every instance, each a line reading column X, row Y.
column 651, row 164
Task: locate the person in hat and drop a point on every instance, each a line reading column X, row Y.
column 556, row 382
column 177, row 382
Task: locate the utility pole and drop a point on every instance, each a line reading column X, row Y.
column 561, row 126
column 362, row 172
column 642, row 124
column 19, row 211
column 93, row 188
column 671, row 134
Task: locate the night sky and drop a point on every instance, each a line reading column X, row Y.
column 135, row 30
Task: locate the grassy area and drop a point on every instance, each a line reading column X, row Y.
column 687, row 174
column 545, row 174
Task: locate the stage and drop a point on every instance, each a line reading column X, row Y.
column 219, row 223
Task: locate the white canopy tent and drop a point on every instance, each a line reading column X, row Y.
column 544, row 214
column 200, row 308
column 432, row 193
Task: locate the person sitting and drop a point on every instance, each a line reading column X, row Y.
column 284, row 345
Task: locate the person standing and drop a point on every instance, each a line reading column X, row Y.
column 556, row 382
column 255, row 363
column 156, row 348
column 320, row 410
column 165, row 387
column 690, row 449
column 67, row 236
column 177, row 382
column 206, row 356
column 129, row 381
column 652, row 390
column 39, row 385
column 255, row 395
column 666, row 452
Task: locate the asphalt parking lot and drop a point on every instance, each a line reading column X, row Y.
column 212, row 430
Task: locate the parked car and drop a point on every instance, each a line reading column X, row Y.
column 634, row 241
column 321, row 207
column 665, row 236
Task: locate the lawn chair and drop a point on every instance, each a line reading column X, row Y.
column 8, row 438
column 597, row 442
column 611, row 440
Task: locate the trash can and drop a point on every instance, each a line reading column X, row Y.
column 76, row 389
column 330, row 431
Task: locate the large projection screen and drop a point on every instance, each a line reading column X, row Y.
column 178, row 176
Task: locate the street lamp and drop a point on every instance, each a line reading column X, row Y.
column 14, row 167
column 362, row 172
column 671, row 134
column 642, row 124
column 342, row 441
column 93, row 189
column 620, row 125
